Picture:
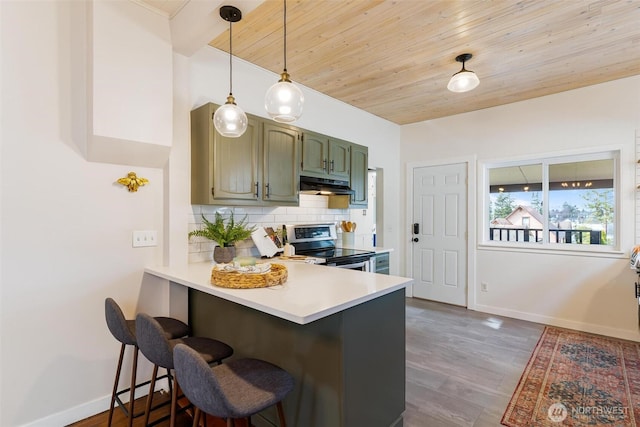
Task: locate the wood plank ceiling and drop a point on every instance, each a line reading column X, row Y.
column 394, row 58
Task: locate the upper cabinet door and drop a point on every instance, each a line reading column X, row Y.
column 359, row 175
column 315, row 148
column 339, row 159
column 235, row 170
column 280, row 163
column 223, row 170
column 325, row 157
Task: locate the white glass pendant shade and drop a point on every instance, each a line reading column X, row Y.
column 229, row 119
column 284, row 101
column 463, row 81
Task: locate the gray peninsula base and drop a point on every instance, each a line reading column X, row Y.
column 349, row 367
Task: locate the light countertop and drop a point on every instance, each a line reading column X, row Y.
column 376, row 249
column 310, row 293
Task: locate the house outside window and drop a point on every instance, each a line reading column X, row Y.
column 564, row 202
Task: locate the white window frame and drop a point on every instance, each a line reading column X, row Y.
column 546, row 246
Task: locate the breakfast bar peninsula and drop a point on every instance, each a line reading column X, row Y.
column 339, row 332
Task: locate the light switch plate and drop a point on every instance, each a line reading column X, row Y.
column 142, row 238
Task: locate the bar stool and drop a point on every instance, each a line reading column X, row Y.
column 124, row 331
column 156, row 347
column 237, row 389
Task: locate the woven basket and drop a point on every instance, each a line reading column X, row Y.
column 233, row 279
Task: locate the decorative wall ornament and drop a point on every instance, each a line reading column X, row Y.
column 132, row 181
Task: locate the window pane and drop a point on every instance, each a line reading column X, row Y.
column 581, row 202
column 515, row 203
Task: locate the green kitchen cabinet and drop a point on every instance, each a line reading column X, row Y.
column 359, row 176
column 358, row 181
column 339, row 158
column 314, row 149
column 325, row 157
column 280, row 163
column 258, row 168
column 222, row 169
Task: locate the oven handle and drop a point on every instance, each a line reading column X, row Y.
column 363, row 265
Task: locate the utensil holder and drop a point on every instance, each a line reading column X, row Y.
column 348, row 239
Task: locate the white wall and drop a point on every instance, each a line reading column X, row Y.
column 593, row 293
column 66, row 232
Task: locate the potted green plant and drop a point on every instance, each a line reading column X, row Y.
column 225, row 233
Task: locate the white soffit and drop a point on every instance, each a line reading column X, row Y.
column 199, row 22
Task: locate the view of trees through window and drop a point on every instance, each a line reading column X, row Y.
column 580, row 195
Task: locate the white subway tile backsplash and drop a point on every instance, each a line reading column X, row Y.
column 261, row 218
column 280, row 210
column 312, row 209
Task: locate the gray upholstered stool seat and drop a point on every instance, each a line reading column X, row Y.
column 236, row 389
column 156, row 347
column 124, row 331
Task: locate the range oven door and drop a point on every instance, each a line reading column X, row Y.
column 359, row 265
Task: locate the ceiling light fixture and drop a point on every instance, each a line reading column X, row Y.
column 464, row 80
column 229, row 119
column 284, row 100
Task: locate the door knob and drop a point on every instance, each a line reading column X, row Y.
column 415, row 239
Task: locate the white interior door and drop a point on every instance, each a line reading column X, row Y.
column 440, row 233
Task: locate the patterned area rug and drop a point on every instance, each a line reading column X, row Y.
column 578, row 379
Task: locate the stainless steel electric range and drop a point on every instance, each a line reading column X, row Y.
column 319, row 241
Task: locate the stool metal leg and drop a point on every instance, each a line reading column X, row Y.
column 174, row 401
column 115, row 385
column 196, row 417
column 132, row 393
column 283, row 423
column 152, row 387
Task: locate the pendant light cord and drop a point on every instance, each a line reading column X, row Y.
column 285, row 36
column 230, row 56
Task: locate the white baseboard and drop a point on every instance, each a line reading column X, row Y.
column 624, row 334
column 88, row 409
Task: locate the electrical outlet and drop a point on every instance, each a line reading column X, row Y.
column 142, row 238
column 484, row 287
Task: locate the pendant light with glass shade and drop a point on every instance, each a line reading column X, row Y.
column 464, row 80
column 229, row 119
column 284, row 100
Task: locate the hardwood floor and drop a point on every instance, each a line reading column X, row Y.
column 462, row 367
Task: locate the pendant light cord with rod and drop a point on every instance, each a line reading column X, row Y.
column 230, row 58
column 284, row 100
column 285, row 44
column 229, row 119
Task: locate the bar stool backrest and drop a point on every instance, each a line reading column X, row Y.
column 117, row 323
column 152, row 341
column 199, row 383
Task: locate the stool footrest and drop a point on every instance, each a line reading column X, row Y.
column 123, row 406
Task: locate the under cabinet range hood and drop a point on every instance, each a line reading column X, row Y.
column 326, row 186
